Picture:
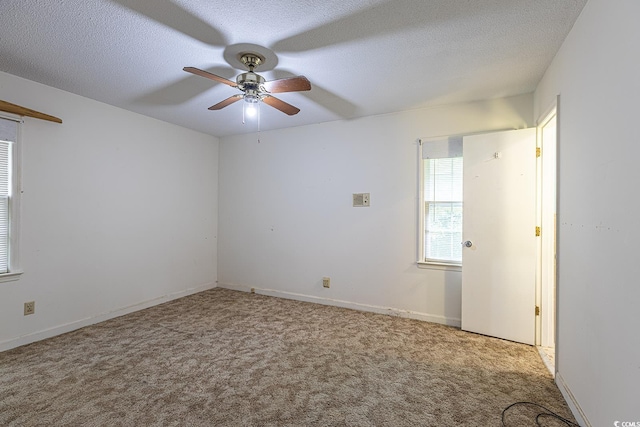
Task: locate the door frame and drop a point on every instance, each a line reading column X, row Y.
column 547, row 218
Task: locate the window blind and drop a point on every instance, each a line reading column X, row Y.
column 442, row 148
column 8, row 135
column 5, row 156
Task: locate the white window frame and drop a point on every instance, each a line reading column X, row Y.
column 15, row 271
column 442, row 147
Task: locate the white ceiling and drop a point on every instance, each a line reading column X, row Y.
column 363, row 57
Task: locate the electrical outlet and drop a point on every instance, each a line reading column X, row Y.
column 326, row 282
column 29, row 308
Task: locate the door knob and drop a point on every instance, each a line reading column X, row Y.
column 468, row 243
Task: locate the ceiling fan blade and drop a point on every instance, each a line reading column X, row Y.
column 208, row 75
column 292, row 84
column 230, row 100
column 280, row 105
column 177, row 17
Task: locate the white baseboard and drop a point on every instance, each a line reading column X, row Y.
column 577, row 412
column 346, row 304
column 72, row 326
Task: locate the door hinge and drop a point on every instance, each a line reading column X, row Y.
column 538, row 231
column 538, row 154
column 537, row 311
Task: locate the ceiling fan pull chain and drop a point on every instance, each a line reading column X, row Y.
column 243, row 109
column 258, row 108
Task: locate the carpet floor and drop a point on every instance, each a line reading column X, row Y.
column 227, row 358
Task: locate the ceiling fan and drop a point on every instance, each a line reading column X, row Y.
column 254, row 87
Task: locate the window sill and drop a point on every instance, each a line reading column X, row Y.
column 432, row 265
column 10, row 277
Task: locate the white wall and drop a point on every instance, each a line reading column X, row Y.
column 119, row 212
column 597, row 74
column 286, row 217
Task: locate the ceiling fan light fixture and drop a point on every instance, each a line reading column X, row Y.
column 250, row 104
column 252, row 98
column 250, row 110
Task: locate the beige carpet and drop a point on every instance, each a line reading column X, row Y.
column 225, row 358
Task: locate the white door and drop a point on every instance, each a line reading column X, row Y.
column 499, row 220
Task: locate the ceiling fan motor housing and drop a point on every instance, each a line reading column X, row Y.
column 251, row 84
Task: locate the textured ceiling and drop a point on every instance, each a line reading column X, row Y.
column 363, row 57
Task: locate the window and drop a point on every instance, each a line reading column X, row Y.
column 5, row 155
column 8, row 198
column 441, row 201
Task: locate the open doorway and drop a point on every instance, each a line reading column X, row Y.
column 546, row 283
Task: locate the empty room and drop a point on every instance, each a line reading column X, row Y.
column 360, row 213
